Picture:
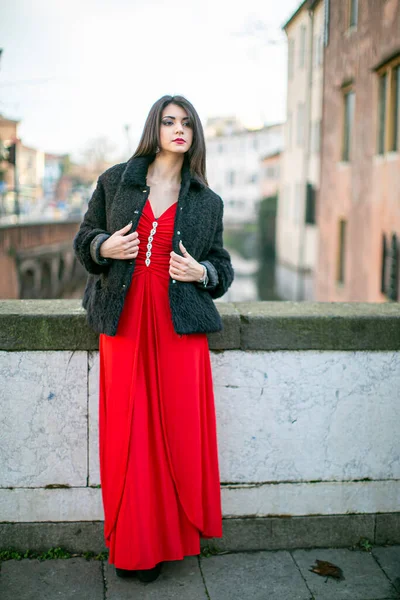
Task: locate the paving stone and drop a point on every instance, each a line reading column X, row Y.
column 179, row 580
column 389, row 560
column 256, row 576
column 364, row 579
column 64, row 579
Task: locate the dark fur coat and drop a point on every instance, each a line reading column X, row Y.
column 119, row 197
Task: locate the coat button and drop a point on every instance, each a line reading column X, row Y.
column 173, row 281
column 178, row 232
column 145, row 190
column 123, row 285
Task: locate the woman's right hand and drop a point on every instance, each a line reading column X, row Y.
column 121, row 246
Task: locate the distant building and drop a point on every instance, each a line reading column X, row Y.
column 30, row 164
column 53, row 169
column 296, row 220
column 359, row 202
column 8, row 135
column 234, row 165
column 270, row 175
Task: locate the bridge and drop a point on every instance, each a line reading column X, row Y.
column 37, row 260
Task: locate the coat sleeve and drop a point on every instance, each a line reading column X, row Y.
column 92, row 233
column 218, row 261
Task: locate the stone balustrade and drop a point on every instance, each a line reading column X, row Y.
column 308, row 411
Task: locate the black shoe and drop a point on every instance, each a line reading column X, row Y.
column 125, row 572
column 147, row 575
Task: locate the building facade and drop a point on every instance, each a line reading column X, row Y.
column 234, row 166
column 297, row 238
column 270, row 175
column 359, row 203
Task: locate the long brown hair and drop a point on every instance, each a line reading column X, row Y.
column 196, row 155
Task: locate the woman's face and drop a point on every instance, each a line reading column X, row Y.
column 175, row 124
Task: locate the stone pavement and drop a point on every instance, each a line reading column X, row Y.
column 258, row 575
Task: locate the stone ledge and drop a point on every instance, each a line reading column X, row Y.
column 267, row 533
column 61, row 325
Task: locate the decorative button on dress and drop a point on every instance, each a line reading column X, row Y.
column 157, row 428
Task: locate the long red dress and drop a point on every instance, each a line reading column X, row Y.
column 157, row 430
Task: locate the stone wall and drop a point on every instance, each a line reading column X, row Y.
column 307, row 401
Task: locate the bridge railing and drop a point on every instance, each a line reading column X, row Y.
column 307, row 401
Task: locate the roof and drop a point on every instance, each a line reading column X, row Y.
column 274, row 154
column 4, row 119
column 311, row 6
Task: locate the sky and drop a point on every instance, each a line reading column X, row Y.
column 75, row 70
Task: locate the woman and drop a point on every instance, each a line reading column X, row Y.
column 152, row 242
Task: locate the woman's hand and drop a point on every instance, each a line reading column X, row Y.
column 184, row 268
column 121, row 246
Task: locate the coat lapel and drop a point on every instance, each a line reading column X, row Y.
column 132, row 192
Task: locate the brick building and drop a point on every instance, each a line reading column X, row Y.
column 358, row 212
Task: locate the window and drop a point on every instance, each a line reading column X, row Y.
column 384, row 265
column 326, row 21
column 302, row 49
column 353, row 13
column 388, row 135
column 271, row 172
column 318, row 50
column 382, row 112
column 348, row 122
column 342, row 251
column 290, row 58
column 310, row 204
column 395, row 141
column 300, row 124
column 289, row 130
column 231, row 177
column 390, row 268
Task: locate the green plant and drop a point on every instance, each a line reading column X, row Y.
column 50, row 554
column 208, row 551
column 363, row 544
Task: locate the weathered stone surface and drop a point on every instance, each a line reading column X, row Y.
column 283, row 325
column 179, row 580
column 388, row 528
column 274, row 533
column 69, row 579
column 45, row 325
column 257, row 533
column 319, row 325
column 259, row 576
column 364, row 580
column 309, row 416
column 79, row 536
column 93, row 430
column 40, row 504
column 43, row 418
column 389, row 560
column 296, row 499
column 61, row 325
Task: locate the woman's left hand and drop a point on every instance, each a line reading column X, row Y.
column 184, row 268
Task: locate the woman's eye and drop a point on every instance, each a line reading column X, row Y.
column 170, row 123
